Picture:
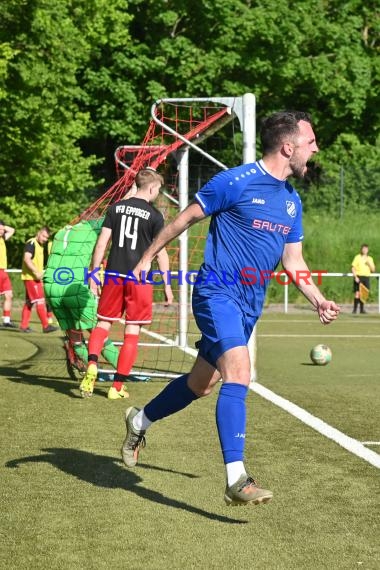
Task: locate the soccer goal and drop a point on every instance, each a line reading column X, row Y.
column 187, row 140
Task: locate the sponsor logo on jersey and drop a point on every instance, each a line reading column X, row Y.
column 258, row 201
column 133, row 211
column 271, row 227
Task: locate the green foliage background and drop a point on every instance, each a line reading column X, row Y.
column 78, row 77
column 330, row 245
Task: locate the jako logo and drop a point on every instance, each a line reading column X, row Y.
column 258, row 201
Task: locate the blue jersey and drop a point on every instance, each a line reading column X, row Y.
column 253, row 216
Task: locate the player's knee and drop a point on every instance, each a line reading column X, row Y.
column 106, row 325
column 202, row 387
column 202, row 392
column 244, row 378
column 76, row 336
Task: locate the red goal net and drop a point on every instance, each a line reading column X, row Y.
column 166, row 347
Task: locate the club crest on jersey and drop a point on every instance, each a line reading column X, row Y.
column 291, row 208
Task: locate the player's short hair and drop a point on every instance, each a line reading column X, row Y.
column 148, row 176
column 280, row 126
column 45, row 229
column 2, row 223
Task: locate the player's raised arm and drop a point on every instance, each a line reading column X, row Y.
column 8, row 232
column 296, row 267
column 189, row 216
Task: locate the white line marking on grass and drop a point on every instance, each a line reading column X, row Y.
column 352, row 445
column 371, row 442
column 261, row 335
column 373, row 375
column 164, row 339
column 267, row 320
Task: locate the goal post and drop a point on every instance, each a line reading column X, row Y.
column 244, row 108
column 181, row 140
column 183, row 195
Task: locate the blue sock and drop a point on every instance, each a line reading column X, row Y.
column 173, row 398
column 230, row 419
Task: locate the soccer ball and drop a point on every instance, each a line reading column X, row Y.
column 321, row 354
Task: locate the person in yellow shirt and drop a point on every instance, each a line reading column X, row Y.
column 31, row 274
column 5, row 283
column 49, row 310
column 362, row 267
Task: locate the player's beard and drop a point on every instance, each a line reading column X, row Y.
column 298, row 167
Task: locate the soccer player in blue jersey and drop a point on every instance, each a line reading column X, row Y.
column 256, row 222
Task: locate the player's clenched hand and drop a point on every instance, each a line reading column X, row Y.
column 328, row 311
column 141, row 270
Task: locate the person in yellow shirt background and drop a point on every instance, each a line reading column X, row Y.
column 31, row 274
column 6, row 232
column 362, row 267
column 49, row 310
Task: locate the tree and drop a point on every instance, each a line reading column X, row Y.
column 45, row 176
column 317, row 56
column 78, row 78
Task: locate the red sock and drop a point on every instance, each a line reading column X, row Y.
column 25, row 316
column 6, row 316
column 42, row 314
column 96, row 342
column 127, row 356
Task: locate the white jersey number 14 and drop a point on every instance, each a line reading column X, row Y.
column 127, row 232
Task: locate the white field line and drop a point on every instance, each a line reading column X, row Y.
column 348, row 443
column 371, row 442
column 261, row 335
column 164, row 339
column 352, row 445
column 361, row 375
column 367, row 322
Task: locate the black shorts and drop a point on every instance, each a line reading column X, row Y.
column 362, row 279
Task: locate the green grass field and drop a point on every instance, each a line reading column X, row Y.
column 67, row 502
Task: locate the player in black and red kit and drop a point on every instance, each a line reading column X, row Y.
column 131, row 224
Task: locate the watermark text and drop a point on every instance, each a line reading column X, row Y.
column 247, row 276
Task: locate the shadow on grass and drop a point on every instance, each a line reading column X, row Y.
column 46, row 368
column 61, row 384
column 154, row 468
column 24, row 375
column 27, row 374
column 105, row 471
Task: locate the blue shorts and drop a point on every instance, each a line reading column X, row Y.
column 223, row 325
